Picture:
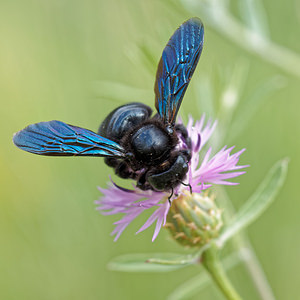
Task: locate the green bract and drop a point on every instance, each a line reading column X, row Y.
column 194, row 219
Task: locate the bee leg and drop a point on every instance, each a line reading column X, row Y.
column 111, row 162
column 142, row 182
column 123, row 171
column 187, row 184
column 180, row 128
column 169, row 198
column 187, row 154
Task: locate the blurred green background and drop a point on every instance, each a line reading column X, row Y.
column 73, row 61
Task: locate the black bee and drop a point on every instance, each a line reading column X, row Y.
column 135, row 144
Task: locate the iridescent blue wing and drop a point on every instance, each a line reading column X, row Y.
column 176, row 67
column 56, row 138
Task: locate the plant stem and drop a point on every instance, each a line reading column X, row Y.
column 210, row 260
column 253, row 266
column 256, row 272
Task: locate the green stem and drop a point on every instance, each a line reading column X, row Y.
column 211, row 262
column 241, row 241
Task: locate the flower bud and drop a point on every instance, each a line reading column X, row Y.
column 194, row 219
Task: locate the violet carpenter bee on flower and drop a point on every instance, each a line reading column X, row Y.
column 135, row 144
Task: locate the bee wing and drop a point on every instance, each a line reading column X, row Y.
column 56, row 138
column 176, row 67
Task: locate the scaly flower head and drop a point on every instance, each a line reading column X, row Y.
column 194, row 219
column 202, row 174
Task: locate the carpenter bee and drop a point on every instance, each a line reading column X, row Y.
column 134, row 144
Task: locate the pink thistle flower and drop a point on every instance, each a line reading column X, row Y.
column 202, row 174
